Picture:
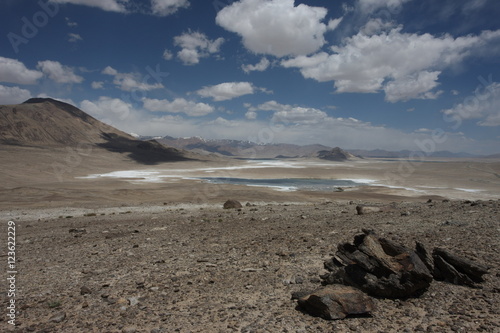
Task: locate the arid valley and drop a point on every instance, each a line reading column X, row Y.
column 108, row 243
column 249, row 166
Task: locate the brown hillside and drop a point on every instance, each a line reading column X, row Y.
column 48, row 123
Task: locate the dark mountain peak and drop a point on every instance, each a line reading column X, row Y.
column 336, row 154
column 36, row 100
column 73, row 110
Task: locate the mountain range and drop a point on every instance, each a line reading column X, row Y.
column 247, row 149
column 45, row 122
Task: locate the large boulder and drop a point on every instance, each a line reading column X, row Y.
column 336, row 302
column 378, row 267
column 232, row 204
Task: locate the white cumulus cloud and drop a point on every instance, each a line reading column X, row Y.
column 415, row 86
column 58, row 72
column 333, row 24
column 131, row 81
column 14, row 71
column 178, row 105
column 227, row 90
column 290, row 114
column 275, row 27
column 97, row 85
column 167, row 55
column 370, row 6
column 261, row 66
column 13, row 95
column 110, row 110
column 107, row 5
column 251, row 115
column 73, row 38
column 484, row 104
column 370, row 63
column 167, row 7
column 196, row 45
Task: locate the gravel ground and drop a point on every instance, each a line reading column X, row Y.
column 191, row 268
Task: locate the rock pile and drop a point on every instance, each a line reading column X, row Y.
column 381, row 268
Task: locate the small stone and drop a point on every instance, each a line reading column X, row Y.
column 250, row 270
column 133, row 301
column 121, row 301
column 158, row 330
column 365, row 209
column 85, row 290
column 129, row 329
column 77, row 230
column 299, row 279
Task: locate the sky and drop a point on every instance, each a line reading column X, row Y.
column 360, row 74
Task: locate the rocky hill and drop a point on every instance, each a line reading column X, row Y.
column 336, row 154
column 48, row 123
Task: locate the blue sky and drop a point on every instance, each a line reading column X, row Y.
column 389, row 74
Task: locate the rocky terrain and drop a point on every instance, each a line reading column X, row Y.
column 202, row 268
column 118, row 254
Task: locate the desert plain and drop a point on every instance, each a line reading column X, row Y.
column 106, row 244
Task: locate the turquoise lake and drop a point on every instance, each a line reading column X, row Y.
column 288, row 184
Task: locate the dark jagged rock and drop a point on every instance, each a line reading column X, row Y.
column 378, row 267
column 336, row 302
column 425, row 256
column 451, row 268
